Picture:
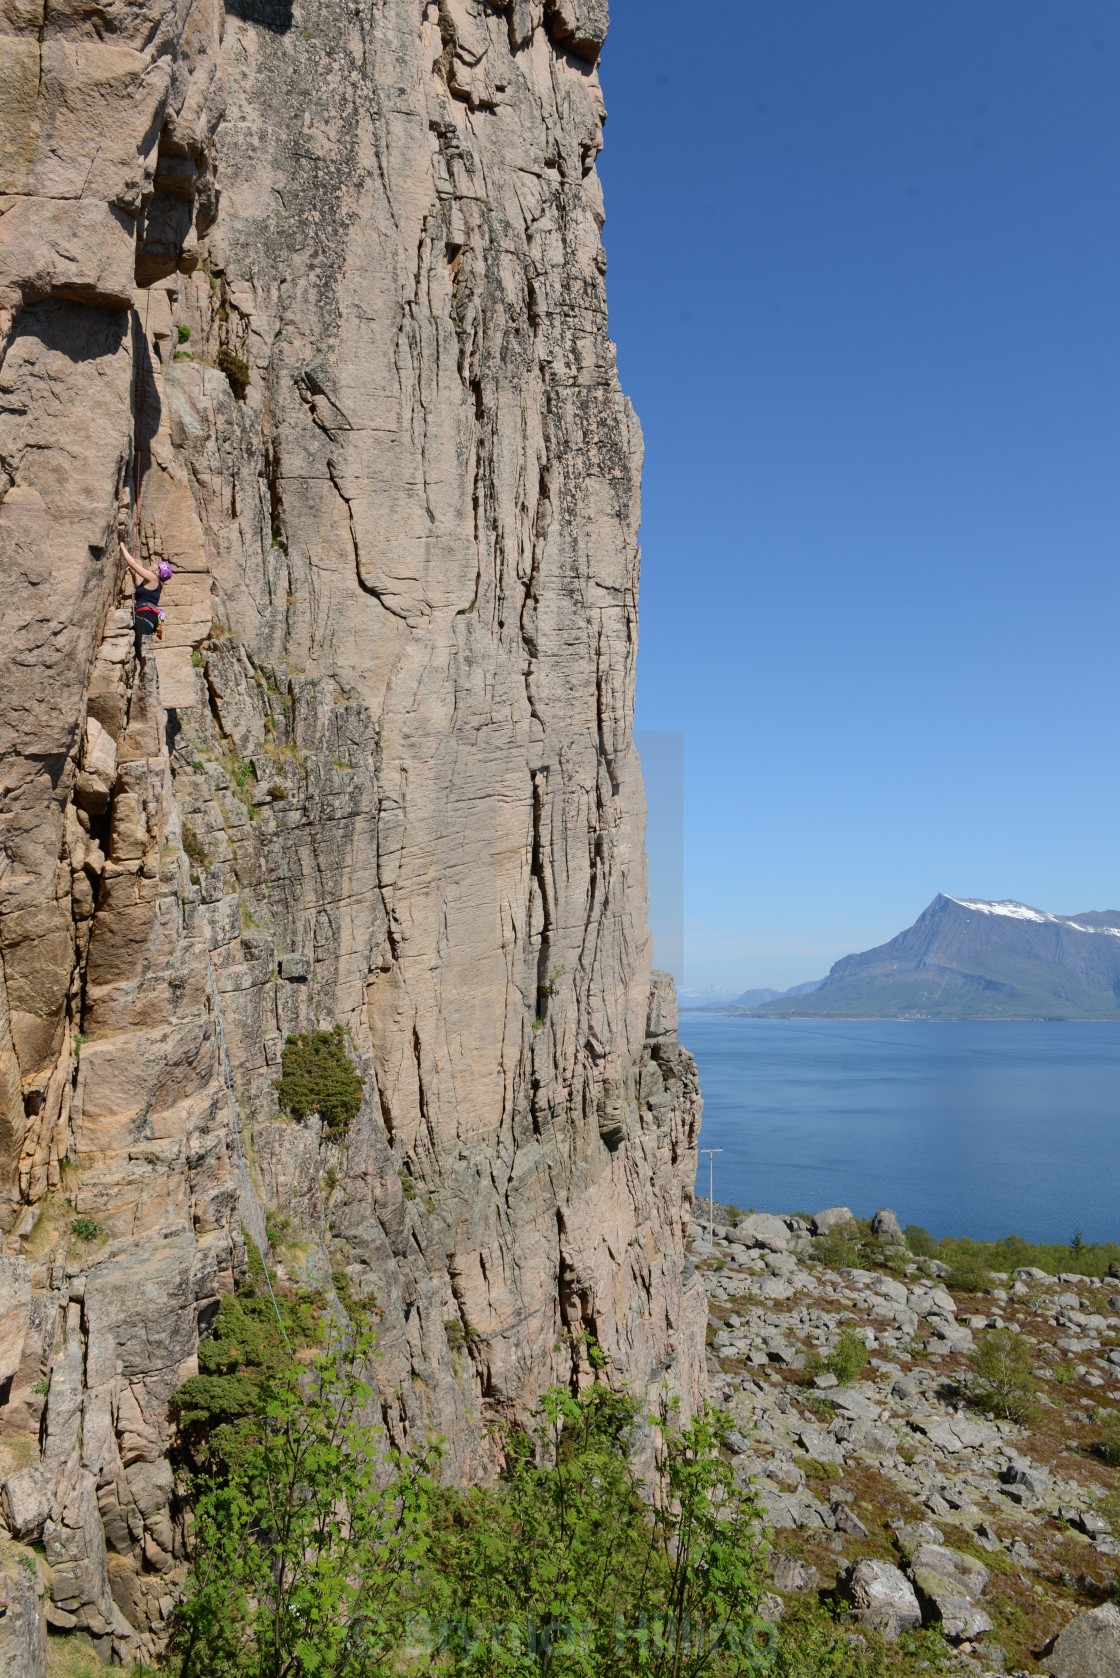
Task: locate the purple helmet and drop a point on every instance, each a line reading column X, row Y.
column 164, row 571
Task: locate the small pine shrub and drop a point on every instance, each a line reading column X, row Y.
column 184, row 332
column 1002, row 1380
column 236, row 370
column 85, row 1229
column 319, row 1077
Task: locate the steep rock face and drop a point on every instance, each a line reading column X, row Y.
column 379, row 771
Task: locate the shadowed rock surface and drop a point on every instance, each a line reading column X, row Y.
column 327, row 289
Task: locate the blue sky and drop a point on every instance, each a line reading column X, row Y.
column 864, row 280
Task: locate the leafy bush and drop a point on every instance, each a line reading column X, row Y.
column 968, row 1274
column 920, row 1242
column 319, row 1077
column 248, row 1349
column 85, row 1229
column 1091, row 1258
column 1002, row 1380
column 325, row 1553
column 304, row 1553
column 839, row 1249
column 183, row 332
column 848, row 1358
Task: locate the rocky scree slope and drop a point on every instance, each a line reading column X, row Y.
column 890, row 1493
column 335, row 276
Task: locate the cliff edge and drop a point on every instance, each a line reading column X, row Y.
column 309, row 302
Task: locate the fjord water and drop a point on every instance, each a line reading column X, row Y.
column 978, row 1128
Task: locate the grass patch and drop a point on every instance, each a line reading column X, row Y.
column 194, row 848
column 1108, row 1422
column 236, row 370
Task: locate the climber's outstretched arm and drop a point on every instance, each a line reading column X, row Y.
column 148, row 578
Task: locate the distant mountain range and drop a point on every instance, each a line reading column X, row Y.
column 725, row 996
column 970, row 959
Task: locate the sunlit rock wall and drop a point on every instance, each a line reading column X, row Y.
column 326, row 287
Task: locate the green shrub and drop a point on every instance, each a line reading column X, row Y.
column 183, row 332
column 839, row 1249
column 320, row 1551
column 848, row 1358
column 1109, row 1448
column 968, row 1274
column 85, row 1229
column 1090, row 1258
column 1002, row 1380
column 194, row 847
column 319, row 1077
column 236, row 370
column 249, row 1347
column 920, row 1242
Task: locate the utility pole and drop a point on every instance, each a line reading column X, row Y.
column 711, row 1210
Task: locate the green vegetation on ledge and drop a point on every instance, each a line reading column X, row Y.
column 319, row 1077
column 251, row 1345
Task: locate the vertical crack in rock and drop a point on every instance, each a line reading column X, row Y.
column 379, row 772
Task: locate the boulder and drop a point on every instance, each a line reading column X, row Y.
column 15, row 1303
column 846, row 1519
column 887, row 1227
column 26, row 1503
column 1089, row 1647
column 880, row 1597
column 948, row 1585
column 761, row 1229
column 792, row 1574
column 833, row 1217
column 1025, row 1484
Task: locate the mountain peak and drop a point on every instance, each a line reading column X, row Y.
column 978, row 958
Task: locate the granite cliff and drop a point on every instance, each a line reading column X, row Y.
column 314, row 297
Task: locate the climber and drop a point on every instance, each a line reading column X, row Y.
column 146, row 616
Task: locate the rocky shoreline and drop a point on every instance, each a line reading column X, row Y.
column 893, row 1492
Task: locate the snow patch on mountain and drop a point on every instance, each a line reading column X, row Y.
column 1023, row 912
